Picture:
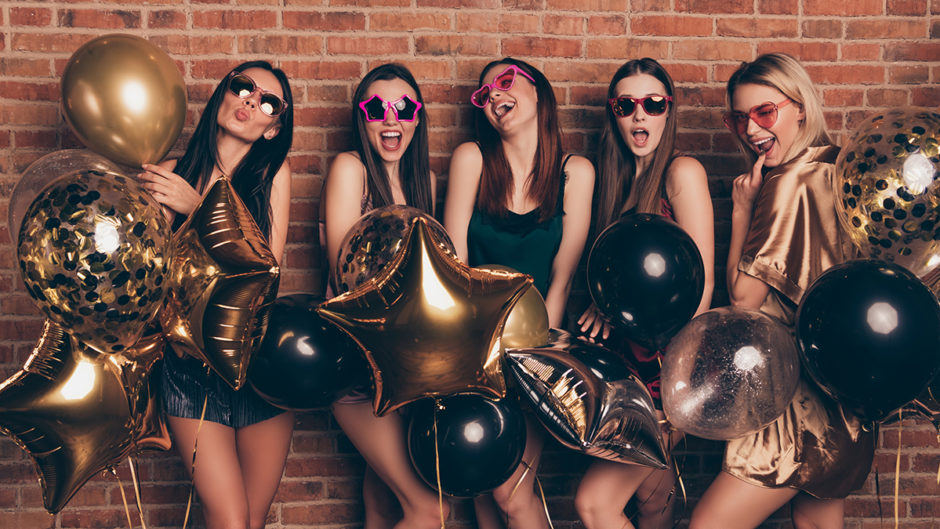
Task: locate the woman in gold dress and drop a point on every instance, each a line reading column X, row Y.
column 784, row 234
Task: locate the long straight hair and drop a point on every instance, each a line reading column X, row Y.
column 414, row 168
column 545, row 181
column 785, row 74
column 616, row 165
column 254, row 174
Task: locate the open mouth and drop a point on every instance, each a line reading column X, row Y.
column 391, row 140
column 764, row 145
column 640, row 136
column 503, row 108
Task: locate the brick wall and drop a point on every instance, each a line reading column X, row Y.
column 864, row 55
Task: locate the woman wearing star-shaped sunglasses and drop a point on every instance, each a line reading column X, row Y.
column 639, row 171
column 388, row 165
column 515, row 199
column 244, row 134
column 784, row 234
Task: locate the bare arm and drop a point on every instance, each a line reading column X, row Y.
column 745, row 291
column 577, row 221
column 168, row 188
column 687, row 189
column 466, row 167
column 342, row 197
column 280, row 211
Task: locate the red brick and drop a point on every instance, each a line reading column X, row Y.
column 455, row 45
column 804, row 51
column 255, row 19
column 908, row 74
column 843, row 97
column 32, row 519
column 842, row 8
column 30, row 91
column 711, row 50
column 563, row 25
column 885, row 28
column 700, row 96
column 588, row 5
column 324, row 21
column 925, row 96
column 687, row 73
column 30, row 16
column 93, row 518
column 846, row 74
column 13, row 67
column 757, row 27
column 409, row 21
column 63, row 42
column 522, row 4
column 912, row 51
column 672, row 25
column 93, row 18
column 715, row 6
column 541, row 47
column 366, row 45
column 823, row 29
column 328, row 513
column 622, row 47
column 321, row 70
column 778, row 7
column 279, row 44
column 183, row 44
column 906, row 7
column 607, row 25
column 166, row 19
column 861, row 52
column 640, row 6
column 886, row 97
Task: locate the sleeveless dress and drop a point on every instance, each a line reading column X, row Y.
column 519, row 241
column 814, row 446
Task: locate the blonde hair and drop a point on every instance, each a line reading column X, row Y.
column 784, row 73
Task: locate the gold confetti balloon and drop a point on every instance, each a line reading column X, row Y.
column 93, row 250
column 887, row 187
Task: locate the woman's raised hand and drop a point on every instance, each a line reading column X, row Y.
column 169, row 189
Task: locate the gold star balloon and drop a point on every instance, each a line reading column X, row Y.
column 429, row 324
column 222, row 279
column 77, row 411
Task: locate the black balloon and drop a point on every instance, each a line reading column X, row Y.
column 479, row 442
column 646, row 275
column 304, row 361
column 869, row 335
column 587, row 397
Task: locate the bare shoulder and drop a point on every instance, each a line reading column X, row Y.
column 684, row 172
column 347, row 162
column 468, row 151
column 579, row 167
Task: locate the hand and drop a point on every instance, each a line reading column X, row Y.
column 745, row 188
column 169, row 189
column 595, row 321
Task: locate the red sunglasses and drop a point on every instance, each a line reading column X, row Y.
column 624, row 106
column 501, row 82
column 765, row 115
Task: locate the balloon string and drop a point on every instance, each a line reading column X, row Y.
column 938, row 466
column 127, row 510
column 192, row 485
column 548, row 517
column 437, row 466
column 140, row 510
column 897, row 472
column 525, row 473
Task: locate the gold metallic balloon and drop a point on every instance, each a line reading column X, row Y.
column 222, row 280
column 43, row 172
column 887, row 185
column 429, row 324
column 124, row 98
column 588, row 398
column 527, row 324
column 93, row 250
column 374, row 240
column 136, row 367
column 72, row 410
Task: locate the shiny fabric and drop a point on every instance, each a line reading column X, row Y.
column 794, row 236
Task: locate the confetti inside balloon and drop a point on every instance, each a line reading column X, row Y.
column 93, row 252
column 887, row 184
column 375, row 239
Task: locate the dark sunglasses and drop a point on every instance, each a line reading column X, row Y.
column 765, row 115
column 624, row 106
column 501, row 82
column 244, row 87
column 404, row 108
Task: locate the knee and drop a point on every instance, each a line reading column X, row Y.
column 427, row 513
column 229, row 520
column 589, row 507
column 654, row 497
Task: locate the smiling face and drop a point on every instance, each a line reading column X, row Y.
column 509, row 108
column 243, row 118
column 389, row 137
column 640, row 131
column 774, row 140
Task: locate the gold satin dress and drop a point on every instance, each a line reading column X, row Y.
column 814, row 446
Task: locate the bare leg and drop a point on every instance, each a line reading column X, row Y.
column 217, row 477
column 813, row 513
column 517, row 497
column 487, row 513
column 604, row 492
column 730, row 503
column 381, row 441
column 382, row 509
column 655, row 497
column 262, row 451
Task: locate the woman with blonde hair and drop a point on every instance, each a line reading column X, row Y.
column 784, row 234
